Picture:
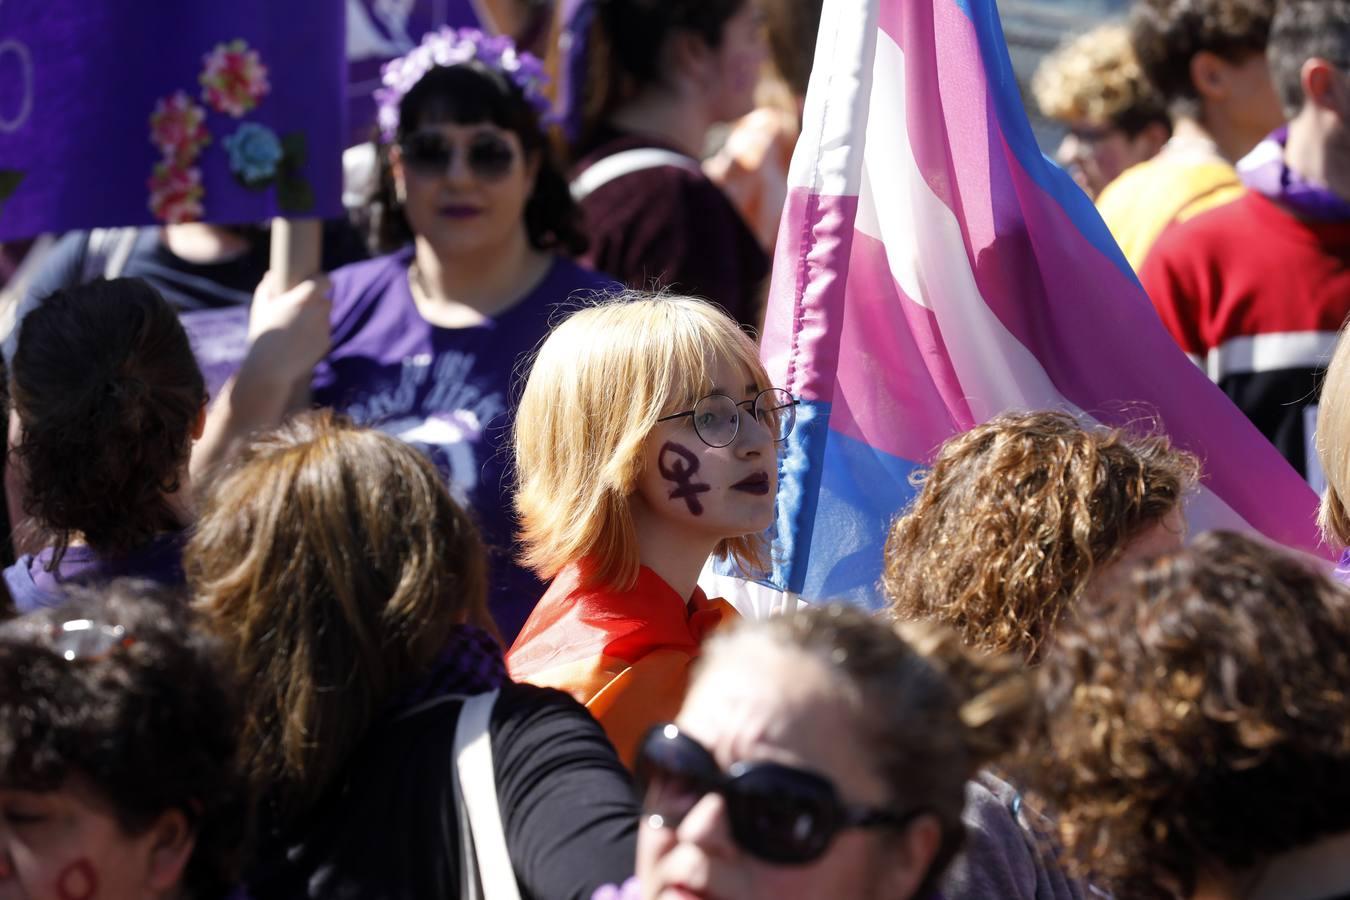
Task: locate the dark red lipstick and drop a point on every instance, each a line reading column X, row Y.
column 757, row 484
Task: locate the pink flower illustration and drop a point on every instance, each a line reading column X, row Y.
column 176, row 193
column 178, row 128
column 234, row 78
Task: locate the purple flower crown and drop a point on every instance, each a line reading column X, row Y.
column 452, row 47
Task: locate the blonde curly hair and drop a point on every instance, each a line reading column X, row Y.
column 1198, row 719
column 1016, row 515
column 1096, row 78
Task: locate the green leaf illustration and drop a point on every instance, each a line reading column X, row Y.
column 294, row 195
column 9, row 182
column 294, row 151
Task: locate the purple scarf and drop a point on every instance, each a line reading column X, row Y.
column 1265, row 171
column 471, row 663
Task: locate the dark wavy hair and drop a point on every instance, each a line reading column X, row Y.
column 153, row 725
column 1199, row 718
column 108, row 393
column 1167, row 34
column 468, row 94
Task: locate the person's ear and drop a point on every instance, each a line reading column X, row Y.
column 1150, row 140
column 199, row 426
column 397, row 173
column 1321, row 86
column 915, row 849
column 1209, row 76
column 689, row 56
column 171, row 842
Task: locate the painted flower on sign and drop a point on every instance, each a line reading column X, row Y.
column 176, row 193
column 178, row 128
column 255, row 152
column 233, row 78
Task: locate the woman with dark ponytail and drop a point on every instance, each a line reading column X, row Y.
column 107, row 399
column 643, row 83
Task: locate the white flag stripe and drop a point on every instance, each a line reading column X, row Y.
column 828, row 158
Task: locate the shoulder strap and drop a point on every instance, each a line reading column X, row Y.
column 476, row 785
column 626, row 162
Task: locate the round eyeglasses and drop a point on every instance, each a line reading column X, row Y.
column 717, row 417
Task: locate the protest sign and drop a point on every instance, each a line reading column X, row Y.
column 141, row 113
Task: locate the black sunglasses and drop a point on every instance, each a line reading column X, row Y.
column 777, row 813
column 490, row 157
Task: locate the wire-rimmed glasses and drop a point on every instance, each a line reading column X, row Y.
column 717, row 417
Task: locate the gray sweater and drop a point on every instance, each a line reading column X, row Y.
column 1008, row 855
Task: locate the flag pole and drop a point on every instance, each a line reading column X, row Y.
column 295, row 251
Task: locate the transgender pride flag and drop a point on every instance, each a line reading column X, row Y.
column 934, row 270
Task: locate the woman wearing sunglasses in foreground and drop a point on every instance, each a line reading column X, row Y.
column 821, row 755
column 646, row 441
column 422, row 343
column 119, row 739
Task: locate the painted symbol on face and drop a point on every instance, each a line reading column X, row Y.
column 77, row 881
column 678, row 464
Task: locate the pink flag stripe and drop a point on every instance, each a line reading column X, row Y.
column 1105, row 353
column 801, row 339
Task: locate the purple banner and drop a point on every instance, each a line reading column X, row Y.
column 139, row 112
column 378, row 31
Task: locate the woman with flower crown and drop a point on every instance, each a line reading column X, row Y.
column 423, row 342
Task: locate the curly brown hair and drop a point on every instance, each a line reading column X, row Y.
column 1095, row 78
column 108, row 394
column 1167, row 34
column 1016, row 515
column 1202, row 718
column 335, row 565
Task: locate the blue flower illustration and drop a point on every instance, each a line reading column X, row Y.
column 255, row 152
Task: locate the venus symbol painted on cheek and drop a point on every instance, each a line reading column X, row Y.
column 678, row 465
column 77, row 881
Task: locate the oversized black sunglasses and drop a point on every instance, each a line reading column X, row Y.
column 777, row 813
column 490, row 157
column 717, row 417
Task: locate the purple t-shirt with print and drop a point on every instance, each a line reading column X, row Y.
column 33, row 584
column 447, row 391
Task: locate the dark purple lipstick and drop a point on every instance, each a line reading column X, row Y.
column 757, row 484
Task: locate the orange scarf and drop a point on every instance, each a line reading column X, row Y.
column 624, row 654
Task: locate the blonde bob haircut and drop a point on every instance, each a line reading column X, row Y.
column 1333, row 446
column 597, row 386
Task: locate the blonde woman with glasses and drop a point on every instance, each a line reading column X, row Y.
column 646, row 442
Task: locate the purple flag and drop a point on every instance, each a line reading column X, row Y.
column 933, row 270
column 143, row 113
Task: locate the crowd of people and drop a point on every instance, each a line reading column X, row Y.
column 398, row 596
